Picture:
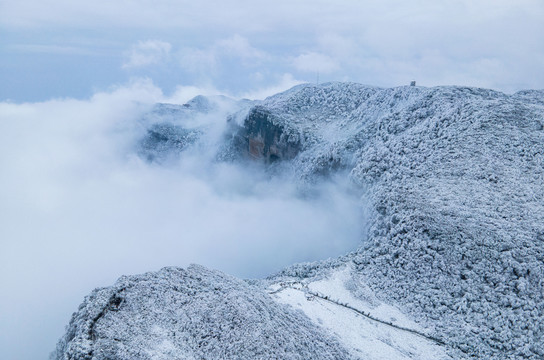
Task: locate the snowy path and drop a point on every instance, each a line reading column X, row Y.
column 369, row 329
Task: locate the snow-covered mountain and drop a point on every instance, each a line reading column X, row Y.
column 451, row 266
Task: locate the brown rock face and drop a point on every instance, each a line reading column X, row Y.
column 267, row 137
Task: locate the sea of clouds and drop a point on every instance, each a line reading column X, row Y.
column 80, row 208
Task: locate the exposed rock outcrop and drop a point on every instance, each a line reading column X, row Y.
column 269, row 138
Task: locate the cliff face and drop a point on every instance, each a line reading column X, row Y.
column 455, row 177
column 268, row 138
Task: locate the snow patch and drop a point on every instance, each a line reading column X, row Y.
column 365, row 338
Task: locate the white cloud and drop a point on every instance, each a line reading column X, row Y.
column 208, row 59
column 239, row 46
column 198, row 60
column 182, row 94
column 315, row 62
column 146, row 53
column 285, row 82
column 338, row 46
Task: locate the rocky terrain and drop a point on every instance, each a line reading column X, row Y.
column 451, row 265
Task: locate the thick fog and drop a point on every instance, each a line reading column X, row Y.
column 80, row 208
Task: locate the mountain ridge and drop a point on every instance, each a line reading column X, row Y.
column 455, row 179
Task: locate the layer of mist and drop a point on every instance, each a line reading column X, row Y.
column 80, row 208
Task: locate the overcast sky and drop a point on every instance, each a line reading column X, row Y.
column 60, row 48
column 78, row 208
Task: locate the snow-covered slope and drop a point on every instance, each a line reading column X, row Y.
column 455, row 249
column 190, row 314
column 455, row 176
column 369, row 328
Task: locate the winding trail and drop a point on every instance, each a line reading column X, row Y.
column 309, row 294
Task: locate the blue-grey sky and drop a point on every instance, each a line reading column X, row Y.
column 59, row 48
column 78, row 208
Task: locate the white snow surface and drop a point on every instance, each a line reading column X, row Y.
column 364, row 337
column 192, row 313
column 455, row 176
